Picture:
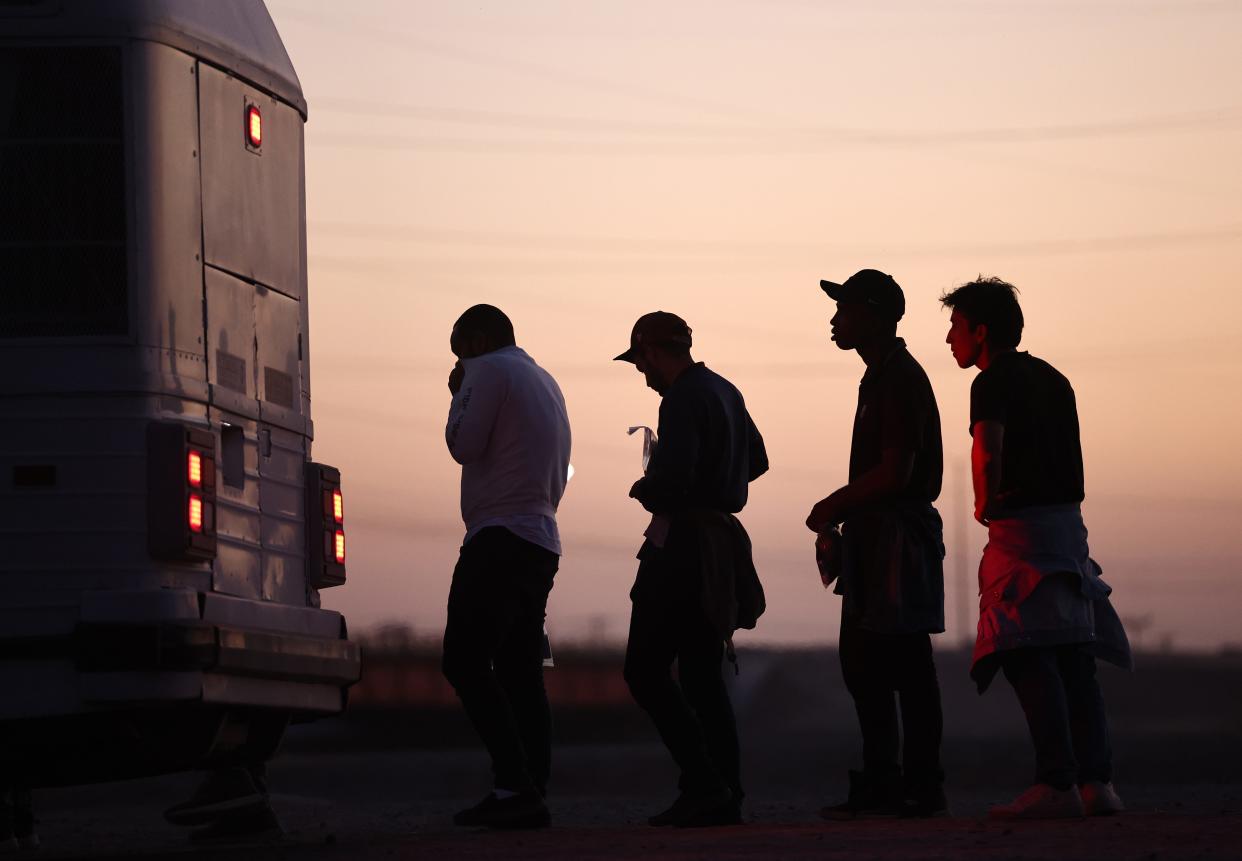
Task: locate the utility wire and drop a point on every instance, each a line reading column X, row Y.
column 722, row 250
column 1216, row 118
column 419, row 44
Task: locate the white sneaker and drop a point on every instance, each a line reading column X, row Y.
column 1100, row 799
column 1042, row 801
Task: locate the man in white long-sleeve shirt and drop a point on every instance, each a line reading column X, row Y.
column 509, row 430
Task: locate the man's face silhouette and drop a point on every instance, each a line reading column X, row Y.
column 855, row 323
column 647, row 361
column 965, row 339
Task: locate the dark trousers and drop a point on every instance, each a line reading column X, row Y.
column 493, row 652
column 1064, row 709
column 693, row 713
column 878, row 669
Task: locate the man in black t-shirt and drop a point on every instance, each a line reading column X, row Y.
column 1044, row 613
column 891, row 579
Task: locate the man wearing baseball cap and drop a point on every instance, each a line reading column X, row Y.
column 696, row 580
column 891, row 575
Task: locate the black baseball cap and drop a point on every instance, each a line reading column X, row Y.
column 872, row 287
column 659, row 328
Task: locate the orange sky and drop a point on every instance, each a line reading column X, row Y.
column 578, row 164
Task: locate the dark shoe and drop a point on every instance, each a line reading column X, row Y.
column 227, row 792
column 248, row 827
column 870, row 797
column 524, row 810
column 695, row 809
column 930, row 804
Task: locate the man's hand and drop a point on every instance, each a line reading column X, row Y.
column 634, row 490
column 986, row 453
column 822, row 516
column 981, row 513
column 828, row 555
column 456, row 376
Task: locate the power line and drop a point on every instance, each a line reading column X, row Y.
column 1176, row 122
column 417, row 43
column 722, row 250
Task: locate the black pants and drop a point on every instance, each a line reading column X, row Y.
column 493, row 652
column 1064, row 709
column 692, row 714
column 876, row 667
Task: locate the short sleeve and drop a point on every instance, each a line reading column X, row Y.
column 987, row 398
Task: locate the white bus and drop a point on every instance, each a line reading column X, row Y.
column 164, row 533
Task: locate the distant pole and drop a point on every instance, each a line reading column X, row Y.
column 961, row 574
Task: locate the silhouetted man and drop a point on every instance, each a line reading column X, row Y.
column 1044, row 613
column 696, row 580
column 509, row 430
column 892, row 579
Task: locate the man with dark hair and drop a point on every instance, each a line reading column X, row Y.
column 509, row 430
column 892, row 551
column 696, row 580
column 1044, row 613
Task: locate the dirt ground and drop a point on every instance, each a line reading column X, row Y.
column 384, row 785
column 398, row 806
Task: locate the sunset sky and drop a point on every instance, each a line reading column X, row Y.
column 580, row 163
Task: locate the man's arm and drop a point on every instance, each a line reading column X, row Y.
column 890, row 476
column 985, row 466
column 473, row 413
column 666, row 486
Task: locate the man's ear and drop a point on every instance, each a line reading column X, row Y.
column 981, row 334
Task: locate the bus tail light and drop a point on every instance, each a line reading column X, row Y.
column 325, row 526
column 181, row 492
column 194, row 516
column 194, row 468
column 254, row 126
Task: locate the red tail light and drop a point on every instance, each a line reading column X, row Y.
column 194, row 468
column 181, row 491
column 195, row 513
column 325, row 520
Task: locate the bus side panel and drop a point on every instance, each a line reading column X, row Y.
column 277, row 334
column 251, row 198
column 230, row 344
column 166, row 215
